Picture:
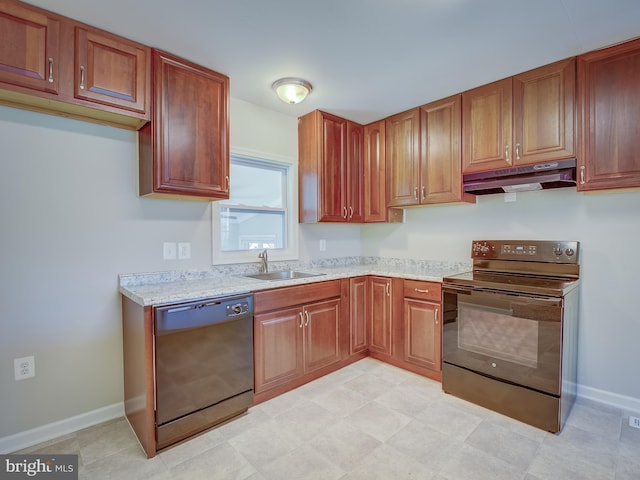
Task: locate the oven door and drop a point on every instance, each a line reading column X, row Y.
column 511, row 337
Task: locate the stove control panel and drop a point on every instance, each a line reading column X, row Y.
column 527, row 250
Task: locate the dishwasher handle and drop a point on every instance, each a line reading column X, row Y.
column 175, row 318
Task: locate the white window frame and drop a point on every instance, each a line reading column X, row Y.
column 289, row 253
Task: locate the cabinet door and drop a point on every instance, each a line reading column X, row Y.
column 487, row 127
column 543, row 113
column 355, row 172
column 422, row 334
column 321, row 334
column 441, row 168
column 380, row 327
column 358, row 315
column 278, row 348
column 190, row 129
column 29, row 48
column 111, row 71
column 375, row 199
column 609, row 109
column 333, row 188
column 403, row 158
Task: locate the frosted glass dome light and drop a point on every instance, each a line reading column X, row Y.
column 292, row 90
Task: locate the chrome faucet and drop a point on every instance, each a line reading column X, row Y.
column 264, row 268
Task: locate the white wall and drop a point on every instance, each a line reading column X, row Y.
column 71, row 221
column 608, row 228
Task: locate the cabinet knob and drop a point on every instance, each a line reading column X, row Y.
column 437, row 319
column 344, row 212
column 582, row 175
column 506, row 153
column 424, row 193
column 415, row 193
column 350, row 212
column 301, row 320
column 306, row 314
column 517, row 151
column 81, row 77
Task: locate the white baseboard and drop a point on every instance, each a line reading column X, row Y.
column 623, row 402
column 53, row 430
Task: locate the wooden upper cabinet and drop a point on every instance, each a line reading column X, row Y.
column 608, row 116
column 543, row 113
column 441, row 152
column 520, row 120
column 424, row 155
column 29, row 48
column 403, row 158
column 486, row 126
column 110, row 70
column 52, row 64
column 354, row 178
column 375, row 198
column 330, row 169
column 184, row 150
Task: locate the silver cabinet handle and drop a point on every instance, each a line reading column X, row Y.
column 388, row 289
column 582, row 175
column 344, row 212
column 306, row 314
column 227, row 179
column 301, row 320
column 424, row 193
column 415, row 193
column 418, row 290
column 350, row 212
column 81, row 77
column 517, row 151
column 50, row 69
column 437, row 321
column 506, row 153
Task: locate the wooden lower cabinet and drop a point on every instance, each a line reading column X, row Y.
column 358, row 312
column 296, row 344
column 422, row 338
column 380, row 317
column 277, row 348
column 422, row 328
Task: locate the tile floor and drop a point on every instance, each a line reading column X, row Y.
column 370, row 421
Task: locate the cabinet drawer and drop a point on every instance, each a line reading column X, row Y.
column 423, row 290
column 290, row 296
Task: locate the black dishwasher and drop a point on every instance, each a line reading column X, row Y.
column 203, row 364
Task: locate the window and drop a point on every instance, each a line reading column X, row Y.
column 258, row 215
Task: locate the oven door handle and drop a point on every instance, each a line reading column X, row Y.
column 466, row 290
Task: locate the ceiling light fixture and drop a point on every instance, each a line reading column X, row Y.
column 292, row 90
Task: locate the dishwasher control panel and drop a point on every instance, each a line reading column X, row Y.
column 238, row 308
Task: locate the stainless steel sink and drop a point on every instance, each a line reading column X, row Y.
column 287, row 275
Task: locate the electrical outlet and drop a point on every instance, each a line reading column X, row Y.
column 634, row 421
column 184, row 250
column 24, row 367
column 169, row 251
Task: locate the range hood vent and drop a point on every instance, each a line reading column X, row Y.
column 522, row 179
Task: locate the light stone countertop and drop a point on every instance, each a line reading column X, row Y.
column 172, row 287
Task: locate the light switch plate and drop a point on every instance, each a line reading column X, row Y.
column 184, row 250
column 169, row 251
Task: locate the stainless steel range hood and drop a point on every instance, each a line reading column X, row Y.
column 522, row 179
